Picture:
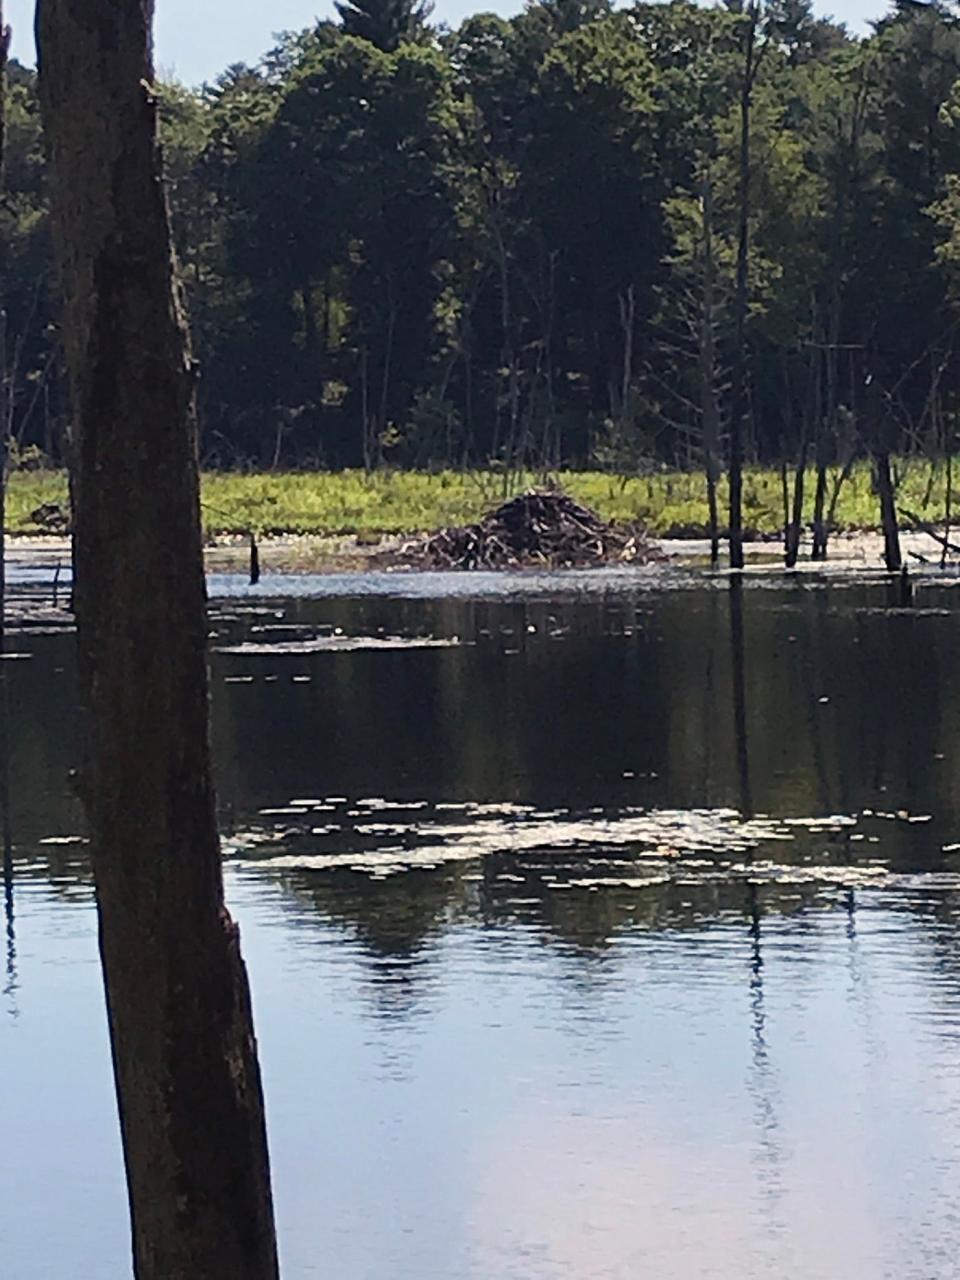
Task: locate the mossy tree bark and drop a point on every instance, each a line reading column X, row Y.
column 185, row 1061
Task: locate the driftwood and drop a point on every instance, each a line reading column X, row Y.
column 51, row 517
column 925, row 527
column 541, row 528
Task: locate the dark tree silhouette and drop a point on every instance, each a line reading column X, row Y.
column 185, row 1061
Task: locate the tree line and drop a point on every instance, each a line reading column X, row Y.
column 584, row 236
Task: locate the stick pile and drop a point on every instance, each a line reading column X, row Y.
column 541, row 528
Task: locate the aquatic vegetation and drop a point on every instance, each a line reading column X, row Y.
column 643, row 846
column 332, row 644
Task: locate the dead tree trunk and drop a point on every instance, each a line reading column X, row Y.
column 892, row 557
column 819, row 551
column 795, row 526
column 628, row 318
column 185, row 1060
column 741, row 304
column 6, row 837
column 709, row 408
column 793, row 509
column 5, row 388
column 947, row 438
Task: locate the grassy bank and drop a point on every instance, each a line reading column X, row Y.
column 669, row 503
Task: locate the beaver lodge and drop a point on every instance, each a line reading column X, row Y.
column 538, row 529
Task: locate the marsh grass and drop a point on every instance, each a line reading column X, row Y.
column 354, row 502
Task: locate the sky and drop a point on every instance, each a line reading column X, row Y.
column 197, row 39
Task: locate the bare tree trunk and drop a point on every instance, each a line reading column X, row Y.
column 793, row 527
column 6, row 828
column 827, row 428
column 185, row 1059
column 628, row 311
column 365, row 410
column 508, row 359
column 822, row 456
column 892, row 557
column 709, row 409
column 741, row 296
column 793, row 531
column 5, row 388
column 387, row 371
column 819, row 551
column 948, row 493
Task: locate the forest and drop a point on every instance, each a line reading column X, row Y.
column 546, row 241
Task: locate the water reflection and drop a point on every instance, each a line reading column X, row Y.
column 739, row 690
column 614, row 936
column 557, row 702
column 762, row 1082
column 6, row 840
column 10, row 936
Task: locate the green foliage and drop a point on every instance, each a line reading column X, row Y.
column 492, row 245
column 355, row 263
column 670, row 503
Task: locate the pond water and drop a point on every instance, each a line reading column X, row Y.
column 599, row 927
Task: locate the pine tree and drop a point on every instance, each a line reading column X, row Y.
column 385, row 23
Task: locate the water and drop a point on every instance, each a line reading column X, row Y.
column 558, row 969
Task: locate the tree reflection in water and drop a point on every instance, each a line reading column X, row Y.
column 6, row 837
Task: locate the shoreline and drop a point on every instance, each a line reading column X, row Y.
column 300, row 554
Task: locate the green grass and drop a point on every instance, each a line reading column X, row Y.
column 397, row 502
column 28, row 490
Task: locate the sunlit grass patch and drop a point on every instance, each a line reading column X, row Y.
column 356, row 502
column 28, row 490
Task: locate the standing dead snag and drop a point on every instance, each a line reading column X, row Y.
column 5, row 390
column 886, row 491
column 185, row 1061
column 738, row 404
column 709, row 406
column 6, row 839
